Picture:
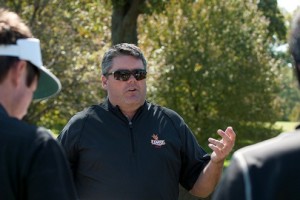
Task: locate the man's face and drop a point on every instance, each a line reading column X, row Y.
column 129, row 94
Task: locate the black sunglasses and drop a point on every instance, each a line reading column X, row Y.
column 124, row 74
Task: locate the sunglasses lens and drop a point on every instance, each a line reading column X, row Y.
column 122, row 75
column 139, row 74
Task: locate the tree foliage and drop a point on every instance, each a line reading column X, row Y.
column 214, row 67
column 289, row 96
column 125, row 17
column 73, row 35
column 208, row 60
column 276, row 28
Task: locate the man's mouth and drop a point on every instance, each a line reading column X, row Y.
column 132, row 89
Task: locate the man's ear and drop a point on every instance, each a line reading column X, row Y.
column 104, row 82
column 18, row 72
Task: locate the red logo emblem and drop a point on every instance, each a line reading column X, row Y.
column 156, row 142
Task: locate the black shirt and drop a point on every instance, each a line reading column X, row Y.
column 32, row 163
column 145, row 158
column 268, row 170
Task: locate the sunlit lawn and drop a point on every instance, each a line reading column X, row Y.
column 286, row 126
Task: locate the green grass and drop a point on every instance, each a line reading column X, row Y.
column 286, row 126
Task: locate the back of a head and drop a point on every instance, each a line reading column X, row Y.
column 12, row 28
column 17, row 43
column 294, row 43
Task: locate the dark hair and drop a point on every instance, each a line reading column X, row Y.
column 120, row 50
column 294, row 42
column 13, row 28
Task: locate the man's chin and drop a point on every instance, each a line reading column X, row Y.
column 134, row 101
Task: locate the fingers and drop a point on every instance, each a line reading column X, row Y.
column 216, row 143
column 224, row 146
column 216, row 148
column 229, row 131
column 228, row 137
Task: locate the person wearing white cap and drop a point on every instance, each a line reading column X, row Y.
column 33, row 164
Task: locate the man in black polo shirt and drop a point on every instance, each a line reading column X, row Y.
column 128, row 148
column 268, row 170
column 32, row 163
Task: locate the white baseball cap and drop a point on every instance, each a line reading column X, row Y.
column 29, row 49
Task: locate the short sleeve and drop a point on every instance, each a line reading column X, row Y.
column 194, row 159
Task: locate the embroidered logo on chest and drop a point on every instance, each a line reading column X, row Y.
column 157, row 142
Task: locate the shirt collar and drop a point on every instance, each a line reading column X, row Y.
column 116, row 109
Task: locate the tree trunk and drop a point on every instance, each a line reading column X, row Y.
column 124, row 21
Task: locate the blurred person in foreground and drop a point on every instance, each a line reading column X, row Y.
column 268, row 170
column 128, row 148
column 32, row 163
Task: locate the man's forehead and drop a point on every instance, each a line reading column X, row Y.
column 126, row 61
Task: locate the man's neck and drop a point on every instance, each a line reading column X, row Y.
column 128, row 112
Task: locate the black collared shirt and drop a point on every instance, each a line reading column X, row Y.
column 32, row 163
column 145, row 158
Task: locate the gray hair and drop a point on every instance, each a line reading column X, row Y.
column 121, row 50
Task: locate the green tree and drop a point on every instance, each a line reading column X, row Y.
column 209, row 60
column 276, row 28
column 125, row 18
column 214, row 67
column 73, row 35
column 210, row 57
column 289, row 96
column 76, row 37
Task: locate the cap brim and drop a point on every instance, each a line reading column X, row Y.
column 29, row 49
column 48, row 85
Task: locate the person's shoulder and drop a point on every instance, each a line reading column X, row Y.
column 19, row 129
column 158, row 108
column 289, row 135
column 86, row 112
column 280, row 146
column 289, row 139
column 25, row 133
column 275, row 141
column 78, row 121
column 44, row 139
column 44, row 134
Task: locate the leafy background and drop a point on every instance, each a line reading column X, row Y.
column 215, row 62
